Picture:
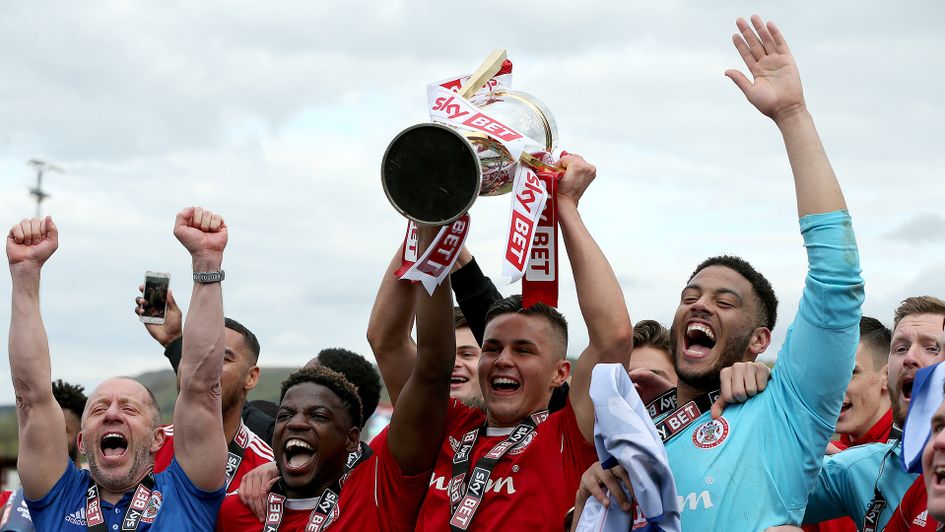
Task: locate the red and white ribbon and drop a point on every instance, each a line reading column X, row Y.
column 528, row 200
column 439, row 257
column 411, row 246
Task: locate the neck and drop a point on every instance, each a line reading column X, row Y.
column 877, row 416
column 112, row 497
column 686, row 393
column 315, row 489
column 231, row 421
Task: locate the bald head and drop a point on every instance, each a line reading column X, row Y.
column 127, row 390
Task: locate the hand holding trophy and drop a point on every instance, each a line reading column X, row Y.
column 485, row 140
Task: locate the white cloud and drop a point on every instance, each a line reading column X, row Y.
column 277, row 117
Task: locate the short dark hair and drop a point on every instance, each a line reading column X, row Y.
column 764, row 293
column 513, row 305
column 918, row 305
column 459, row 320
column 877, row 338
column 334, row 381
column 251, row 342
column 70, row 397
column 650, row 333
column 359, row 372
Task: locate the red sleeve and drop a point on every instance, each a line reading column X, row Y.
column 914, row 502
column 578, row 454
column 4, row 496
column 397, row 496
column 162, row 460
column 235, row 516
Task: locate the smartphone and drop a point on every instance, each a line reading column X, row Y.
column 155, row 297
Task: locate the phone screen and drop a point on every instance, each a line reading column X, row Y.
column 155, row 296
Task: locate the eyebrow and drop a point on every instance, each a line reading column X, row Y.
column 517, row 341
column 938, row 418
column 716, row 292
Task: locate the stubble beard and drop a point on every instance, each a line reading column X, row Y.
column 708, row 380
column 899, row 410
column 118, row 483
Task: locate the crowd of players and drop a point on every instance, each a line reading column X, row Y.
column 493, row 428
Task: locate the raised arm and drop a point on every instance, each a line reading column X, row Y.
column 199, row 443
column 43, row 453
column 418, row 422
column 776, row 92
column 389, row 329
column 475, row 292
column 610, row 334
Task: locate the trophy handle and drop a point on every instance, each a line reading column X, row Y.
column 486, row 70
column 537, row 163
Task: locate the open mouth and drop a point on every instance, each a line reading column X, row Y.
column 458, row 380
column 502, row 385
column 939, row 475
column 845, row 407
column 906, row 388
column 113, row 444
column 699, row 340
column 297, row 454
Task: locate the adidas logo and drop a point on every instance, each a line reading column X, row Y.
column 921, row 518
column 77, row 518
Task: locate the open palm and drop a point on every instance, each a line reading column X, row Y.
column 776, row 89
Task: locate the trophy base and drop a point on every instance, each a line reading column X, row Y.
column 431, row 174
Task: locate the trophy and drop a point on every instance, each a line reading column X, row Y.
column 484, row 140
column 432, row 173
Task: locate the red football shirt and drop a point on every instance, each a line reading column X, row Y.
column 533, row 485
column 375, row 496
column 256, row 452
column 913, row 514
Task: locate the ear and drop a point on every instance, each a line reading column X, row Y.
column 884, row 379
column 354, row 439
column 760, row 340
column 252, row 379
column 80, row 442
column 158, row 442
column 562, row 372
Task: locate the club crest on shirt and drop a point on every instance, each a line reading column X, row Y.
column 711, row 434
column 518, row 449
column 154, row 506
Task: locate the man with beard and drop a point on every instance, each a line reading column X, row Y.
column 318, row 425
column 753, row 467
column 867, row 482
column 120, row 429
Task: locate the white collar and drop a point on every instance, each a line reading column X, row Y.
column 301, row 504
column 499, row 431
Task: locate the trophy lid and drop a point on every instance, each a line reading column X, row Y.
column 524, row 113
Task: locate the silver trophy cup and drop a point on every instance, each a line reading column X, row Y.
column 432, row 174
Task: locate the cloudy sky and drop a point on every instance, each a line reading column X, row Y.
column 277, row 115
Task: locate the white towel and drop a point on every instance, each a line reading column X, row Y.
column 624, row 434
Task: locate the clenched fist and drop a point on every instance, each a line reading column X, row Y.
column 202, row 232
column 31, row 242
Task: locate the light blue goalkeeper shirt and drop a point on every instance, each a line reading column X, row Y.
column 755, row 467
